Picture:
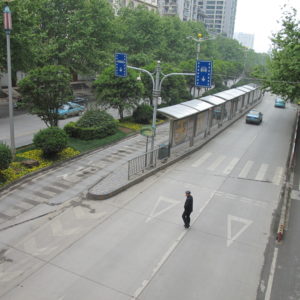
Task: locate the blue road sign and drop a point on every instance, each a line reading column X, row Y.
column 121, row 64
column 203, row 74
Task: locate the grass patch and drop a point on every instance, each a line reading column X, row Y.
column 128, row 123
column 83, row 145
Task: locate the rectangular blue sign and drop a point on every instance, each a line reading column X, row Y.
column 203, row 73
column 121, row 64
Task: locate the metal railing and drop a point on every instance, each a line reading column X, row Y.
column 142, row 162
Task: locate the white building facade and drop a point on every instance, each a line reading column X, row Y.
column 117, row 4
column 218, row 16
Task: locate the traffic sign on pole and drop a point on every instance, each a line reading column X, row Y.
column 121, row 64
column 203, row 74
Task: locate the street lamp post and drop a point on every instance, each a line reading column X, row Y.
column 7, row 28
column 156, row 90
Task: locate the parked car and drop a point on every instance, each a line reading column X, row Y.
column 70, row 109
column 279, row 103
column 254, row 117
column 81, row 101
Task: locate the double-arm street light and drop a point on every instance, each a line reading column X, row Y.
column 156, row 84
column 8, row 28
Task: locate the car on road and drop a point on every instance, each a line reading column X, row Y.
column 70, row 109
column 254, row 117
column 279, row 103
column 80, row 100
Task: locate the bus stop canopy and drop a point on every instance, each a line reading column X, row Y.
column 227, row 96
column 235, row 92
column 213, row 100
column 197, row 104
column 244, row 89
column 250, row 87
column 185, row 109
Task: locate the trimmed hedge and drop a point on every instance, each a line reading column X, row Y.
column 94, row 124
column 143, row 114
column 51, row 140
column 5, row 156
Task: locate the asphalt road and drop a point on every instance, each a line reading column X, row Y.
column 26, row 125
column 134, row 245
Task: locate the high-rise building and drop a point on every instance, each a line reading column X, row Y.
column 117, row 4
column 218, row 16
column 245, row 39
column 186, row 10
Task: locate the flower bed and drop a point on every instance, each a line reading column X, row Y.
column 17, row 170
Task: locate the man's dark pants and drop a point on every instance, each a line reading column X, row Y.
column 186, row 218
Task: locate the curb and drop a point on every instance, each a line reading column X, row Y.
column 286, row 190
column 93, row 196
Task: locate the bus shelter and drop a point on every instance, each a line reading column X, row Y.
column 189, row 121
column 235, row 98
column 219, row 112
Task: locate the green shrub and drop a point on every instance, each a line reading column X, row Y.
column 96, row 118
column 51, row 140
column 94, row 124
column 70, row 129
column 5, row 156
column 143, row 114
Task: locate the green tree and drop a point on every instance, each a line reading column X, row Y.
column 44, row 90
column 119, row 93
column 283, row 75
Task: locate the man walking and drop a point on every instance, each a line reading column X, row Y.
column 188, row 208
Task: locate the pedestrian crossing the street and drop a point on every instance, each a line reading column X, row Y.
column 233, row 166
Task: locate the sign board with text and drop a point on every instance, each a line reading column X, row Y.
column 121, row 64
column 203, row 73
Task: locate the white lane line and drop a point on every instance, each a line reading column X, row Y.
column 278, row 176
column 246, row 169
column 231, row 166
column 216, row 163
column 262, row 172
column 201, row 160
column 271, row 276
column 169, row 252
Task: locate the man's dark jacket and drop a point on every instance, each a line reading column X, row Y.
column 188, row 205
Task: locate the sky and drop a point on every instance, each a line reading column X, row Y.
column 259, row 17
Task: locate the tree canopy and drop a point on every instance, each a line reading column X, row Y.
column 44, row 90
column 283, row 73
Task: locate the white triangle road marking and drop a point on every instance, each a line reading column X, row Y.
column 231, row 238
column 155, row 212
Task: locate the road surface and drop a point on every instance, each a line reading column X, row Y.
column 134, row 245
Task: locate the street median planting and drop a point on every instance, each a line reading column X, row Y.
column 94, row 124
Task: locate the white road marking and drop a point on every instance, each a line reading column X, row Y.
column 169, row 252
column 271, row 276
column 278, row 176
column 231, row 166
column 216, row 163
column 262, row 172
column 31, row 247
column 246, row 169
column 58, row 230
column 230, row 219
column 162, row 200
column 201, row 160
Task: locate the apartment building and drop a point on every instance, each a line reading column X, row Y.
column 218, row 16
column 117, row 4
